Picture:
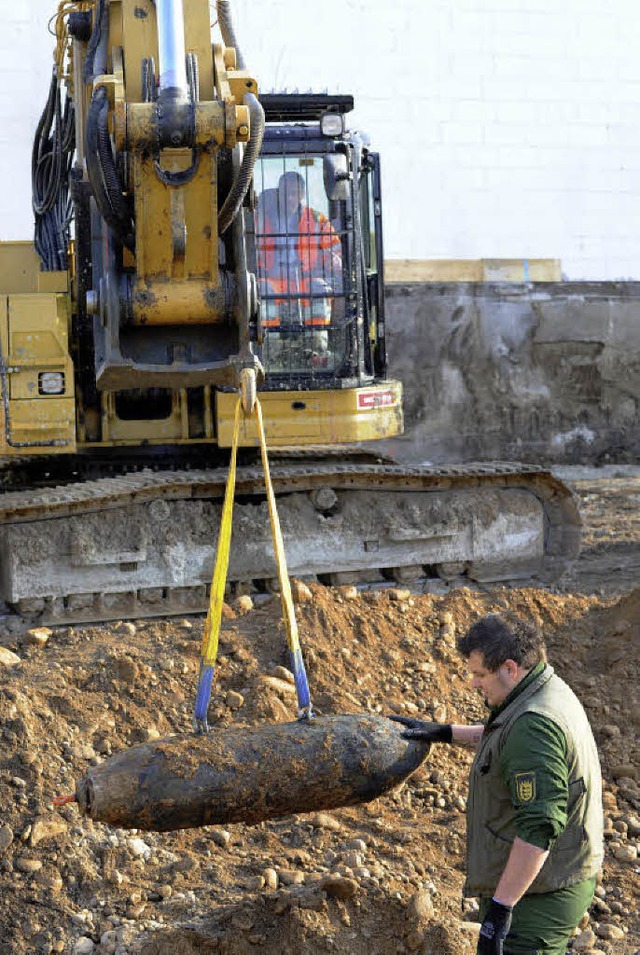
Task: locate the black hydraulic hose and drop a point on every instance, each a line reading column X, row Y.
column 46, row 156
column 233, row 203
column 52, row 155
column 225, row 21
column 109, row 172
column 100, row 29
column 102, row 170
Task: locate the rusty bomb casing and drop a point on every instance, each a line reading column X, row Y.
column 249, row 774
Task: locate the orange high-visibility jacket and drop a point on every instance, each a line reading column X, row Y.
column 315, row 235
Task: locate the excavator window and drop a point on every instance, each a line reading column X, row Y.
column 302, row 251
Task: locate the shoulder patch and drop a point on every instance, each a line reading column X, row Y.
column 525, row 787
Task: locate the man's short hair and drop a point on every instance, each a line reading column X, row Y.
column 292, row 180
column 504, row 636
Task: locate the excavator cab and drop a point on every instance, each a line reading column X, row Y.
column 318, row 250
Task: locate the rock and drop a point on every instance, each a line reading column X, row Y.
column 270, row 877
column 281, row 687
column 28, row 866
column 281, row 673
column 51, row 880
column 7, row 658
column 126, row 629
column 352, row 859
column 243, row 604
column 300, row 592
column 136, row 911
column 139, row 848
column 350, row 593
column 291, row 877
column 221, row 837
column 322, row 820
column 47, row 827
column 38, row 637
column 358, row 845
column 164, row 891
column 398, row 594
column 609, row 931
column 6, row 838
column 625, row 770
column 470, row 928
column 584, row 941
column 254, row 883
column 109, row 941
column 611, row 730
column 626, row 853
column 420, row 907
column 413, row 941
column 228, row 613
column 633, row 825
column 84, row 946
column 235, row 700
column 339, row 887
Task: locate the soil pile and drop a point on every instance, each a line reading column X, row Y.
column 381, row 878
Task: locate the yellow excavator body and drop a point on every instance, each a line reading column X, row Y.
column 219, row 237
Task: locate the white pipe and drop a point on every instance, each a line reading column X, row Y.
column 171, row 46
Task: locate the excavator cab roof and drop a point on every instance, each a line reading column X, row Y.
column 303, row 107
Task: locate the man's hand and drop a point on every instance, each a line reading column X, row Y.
column 425, row 731
column 494, row 929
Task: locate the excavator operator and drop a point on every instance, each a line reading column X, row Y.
column 299, row 260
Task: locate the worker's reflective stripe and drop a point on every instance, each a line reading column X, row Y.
column 281, row 291
column 209, row 651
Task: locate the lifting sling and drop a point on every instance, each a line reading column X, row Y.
column 211, row 635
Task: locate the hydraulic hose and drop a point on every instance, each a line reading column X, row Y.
column 233, row 203
column 46, row 157
column 102, row 171
column 225, row 21
column 53, row 147
column 97, row 46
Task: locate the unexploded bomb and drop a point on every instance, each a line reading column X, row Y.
column 250, row 774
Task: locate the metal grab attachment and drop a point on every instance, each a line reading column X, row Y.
column 247, row 404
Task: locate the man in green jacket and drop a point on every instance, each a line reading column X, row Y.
column 534, row 813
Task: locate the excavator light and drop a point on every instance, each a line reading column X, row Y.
column 332, row 124
column 51, row 383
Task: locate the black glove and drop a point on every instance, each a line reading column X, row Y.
column 424, row 730
column 494, row 929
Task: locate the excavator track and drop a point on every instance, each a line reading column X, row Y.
column 143, row 544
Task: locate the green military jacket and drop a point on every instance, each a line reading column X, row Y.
column 576, row 855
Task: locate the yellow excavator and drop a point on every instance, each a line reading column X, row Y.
column 192, row 238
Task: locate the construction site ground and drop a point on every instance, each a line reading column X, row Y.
column 381, row 879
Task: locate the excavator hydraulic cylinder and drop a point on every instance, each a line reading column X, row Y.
column 250, row 774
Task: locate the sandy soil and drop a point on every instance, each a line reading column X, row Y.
column 380, row 879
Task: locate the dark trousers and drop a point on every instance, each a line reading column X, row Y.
column 543, row 923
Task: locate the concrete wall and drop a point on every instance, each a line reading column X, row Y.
column 507, row 130
column 546, row 373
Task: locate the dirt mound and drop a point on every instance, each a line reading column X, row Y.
column 381, row 878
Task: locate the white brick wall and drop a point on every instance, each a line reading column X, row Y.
column 508, row 128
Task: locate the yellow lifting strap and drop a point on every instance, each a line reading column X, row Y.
column 209, row 651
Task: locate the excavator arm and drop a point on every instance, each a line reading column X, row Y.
column 168, row 128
